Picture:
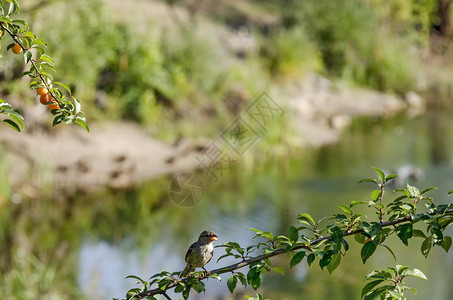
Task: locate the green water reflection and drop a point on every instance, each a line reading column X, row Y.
column 102, row 238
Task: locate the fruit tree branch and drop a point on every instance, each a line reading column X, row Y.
column 279, row 251
column 32, row 61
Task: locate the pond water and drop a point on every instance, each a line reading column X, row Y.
column 147, row 238
column 95, row 241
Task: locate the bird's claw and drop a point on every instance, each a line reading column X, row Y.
column 206, row 272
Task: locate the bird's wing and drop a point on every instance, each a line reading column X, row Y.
column 190, row 251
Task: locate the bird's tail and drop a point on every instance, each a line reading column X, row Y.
column 186, row 271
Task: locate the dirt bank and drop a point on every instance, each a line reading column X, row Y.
column 122, row 155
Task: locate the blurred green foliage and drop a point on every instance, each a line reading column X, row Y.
column 356, row 43
column 150, row 71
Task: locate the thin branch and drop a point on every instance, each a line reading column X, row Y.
column 280, row 251
column 32, row 61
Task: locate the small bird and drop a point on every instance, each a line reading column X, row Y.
column 200, row 252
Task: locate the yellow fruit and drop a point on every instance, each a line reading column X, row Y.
column 45, row 98
column 54, row 105
column 41, row 91
column 16, row 49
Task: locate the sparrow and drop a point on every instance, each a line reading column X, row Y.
column 200, row 252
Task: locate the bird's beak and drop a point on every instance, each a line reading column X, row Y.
column 213, row 238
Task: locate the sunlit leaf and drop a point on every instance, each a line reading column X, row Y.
column 12, row 124
column 390, row 177
column 346, row 209
column 306, row 218
column 375, row 195
column 414, row 272
column 380, row 173
column 280, row 270
column 63, row 85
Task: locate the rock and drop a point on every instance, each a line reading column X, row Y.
column 322, row 109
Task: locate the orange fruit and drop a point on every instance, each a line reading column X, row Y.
column 1, row 33
column 54, row 105
column 42, row 91
column 16, row 49
column 45, row 98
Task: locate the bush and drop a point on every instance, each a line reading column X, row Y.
column 355, row 45
column 289, row 53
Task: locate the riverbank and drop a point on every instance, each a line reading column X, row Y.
column 66, row 161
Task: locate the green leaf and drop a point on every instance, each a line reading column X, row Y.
column 418, row 233
column 427, row 245
column 355, row 202
column 242, row 278
column 311, row 259
column 268, row 235
column 12, row 124
column 326, row 259
column 334, row 263
column 215, row 276
column 280, row 270
column 389, row 250
column 231, row 283
column 293, row 234
column 380, row 173
column 81, row 121
column 414, row 272
column 446, row 243
column 254, row 278
column 373, row 229
column 375, row 195
column 404, row 232
column 367, row 250
column 12, row 9
column 135, row 277
column 413, row 191
column 198, row 286
column 346, row 209
column 179, row 288
column 65, row 86
column 369, row 180
column 450, row 192
column 186, row 293
column 307, row 219
column 390, row 177
column 360, row 238
column 393, row 271
column 369, row 286
column 427, row 190
column 376, row 293
column 297, row 258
